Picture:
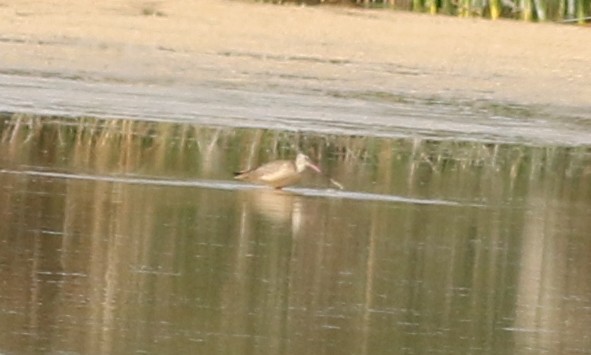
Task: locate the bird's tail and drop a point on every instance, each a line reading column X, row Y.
column 239, row 175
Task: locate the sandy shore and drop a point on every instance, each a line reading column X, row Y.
column 224, row 41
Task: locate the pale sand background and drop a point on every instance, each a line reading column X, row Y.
column 272, row 46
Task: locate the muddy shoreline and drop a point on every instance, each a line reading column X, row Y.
column 279, row 47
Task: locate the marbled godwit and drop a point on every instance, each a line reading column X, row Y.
column 278, row 173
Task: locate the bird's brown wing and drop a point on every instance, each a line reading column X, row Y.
column 269, row 172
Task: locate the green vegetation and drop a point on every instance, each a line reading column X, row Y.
column 568, row 11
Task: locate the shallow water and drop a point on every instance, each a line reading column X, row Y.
column 121, row 236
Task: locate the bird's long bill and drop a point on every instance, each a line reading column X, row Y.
column 314, row 167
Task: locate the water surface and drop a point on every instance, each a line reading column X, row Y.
column 123, row 236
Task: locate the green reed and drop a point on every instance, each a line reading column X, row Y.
column 567, row 11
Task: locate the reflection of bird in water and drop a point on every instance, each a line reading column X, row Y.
column 278, row 173
column 277, row 206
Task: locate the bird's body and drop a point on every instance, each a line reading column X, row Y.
column 278, row 173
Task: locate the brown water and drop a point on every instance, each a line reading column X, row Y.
column 121, row 236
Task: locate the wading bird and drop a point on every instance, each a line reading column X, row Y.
column 278, row 173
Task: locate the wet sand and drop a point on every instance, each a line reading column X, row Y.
column 277, row 47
